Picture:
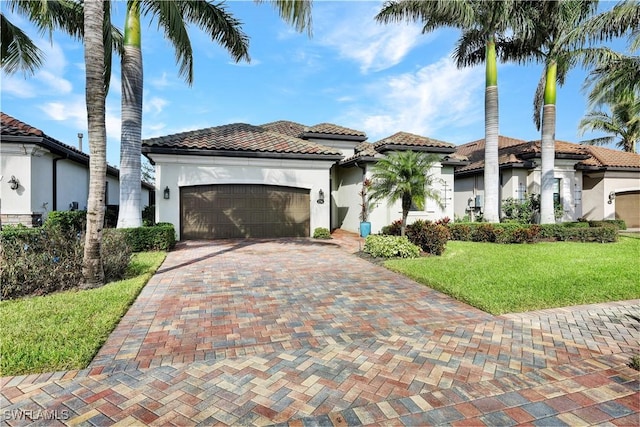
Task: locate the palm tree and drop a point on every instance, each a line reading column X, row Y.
column 405, row 176
column 94, row 57
column 173, row 17
column 551, row 42
column 622, row 124
column 481, row 22
column 19, row 52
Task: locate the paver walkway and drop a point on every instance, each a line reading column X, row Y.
column 262, row 332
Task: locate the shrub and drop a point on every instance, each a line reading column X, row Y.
column 460, row 231
column 522, row 211
column 46, row 260
column 618, row 223
column 577, row 224
column 394, row 229
column 321, row 233
column 390, row 246
column 161, row 237
column 443, row 221
column 431, row 238
column 116, row 255
column 75, row 221
column 149, row 216
column 527, row 234
column 485, row 232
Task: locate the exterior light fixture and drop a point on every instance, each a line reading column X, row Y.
column 320, row 197
column 14, row 183
column 612, row 196
column 167, row 193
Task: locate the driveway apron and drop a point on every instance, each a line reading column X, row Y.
column 258, row 332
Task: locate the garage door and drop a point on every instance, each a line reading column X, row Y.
column 628, row 208
column 240, row 210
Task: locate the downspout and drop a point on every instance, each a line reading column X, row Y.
column 54, row 180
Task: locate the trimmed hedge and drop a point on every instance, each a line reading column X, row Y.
column 160, row 237
column 380, row 246
column 618, row 223
column 521, row 233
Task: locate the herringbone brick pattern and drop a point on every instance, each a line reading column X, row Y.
column 267, row 332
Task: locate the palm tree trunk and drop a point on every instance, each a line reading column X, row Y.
column 92, row 270
column 491, row 211
column 548, row 146
column 130, row 213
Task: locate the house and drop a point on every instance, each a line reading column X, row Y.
column 279, row 179
column 41, row 174
column 591, row 182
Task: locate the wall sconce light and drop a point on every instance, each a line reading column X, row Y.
column 14, row 183
column 320, row 197
column 612, row 197
column 167, row 193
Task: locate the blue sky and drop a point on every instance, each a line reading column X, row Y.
column 354, row 72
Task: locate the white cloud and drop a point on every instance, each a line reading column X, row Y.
column 154, row 105
column 253, row 63
column 74, row 112
column 358, row 37
column 160, row 82
column 18, row 87
column 434, row 99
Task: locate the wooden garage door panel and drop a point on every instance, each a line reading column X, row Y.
column 628, row 208
column 230, row 211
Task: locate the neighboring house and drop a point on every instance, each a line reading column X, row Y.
column 594, row 183
column 280, row 179
column 41, row 174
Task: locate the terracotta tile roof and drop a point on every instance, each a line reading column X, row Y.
column 365, row 149
column 606, row 157
column 412, row 140
column 10, row 126
column 517, row 151
column 239, row 137
column 285, row 127
column 331, row 129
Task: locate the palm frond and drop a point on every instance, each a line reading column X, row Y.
column 19, row 52
column 470, row 49
column 295, row 12
column 432, row 14
column 605, row 140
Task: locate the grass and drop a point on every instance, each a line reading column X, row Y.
column 515, row 278
column 65, row 330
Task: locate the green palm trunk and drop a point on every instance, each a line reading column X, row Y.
column 92, row 270
column 491, row 211
column 548, row 148
column 130, row 214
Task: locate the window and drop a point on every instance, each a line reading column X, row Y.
column 556, row 191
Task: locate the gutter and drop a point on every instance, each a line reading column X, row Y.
column 251, row 154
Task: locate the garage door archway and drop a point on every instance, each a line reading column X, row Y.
column 226, row 211
column 628, row 208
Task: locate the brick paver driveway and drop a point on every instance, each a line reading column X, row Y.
column 260, row 332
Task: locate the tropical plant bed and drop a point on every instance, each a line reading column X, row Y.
column 515, row 278
column 65, row 330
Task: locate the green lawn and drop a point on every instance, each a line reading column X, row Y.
column 65, row 330
column 515, row 278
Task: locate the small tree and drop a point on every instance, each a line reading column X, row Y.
column 367, row 204
column 405, row 176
